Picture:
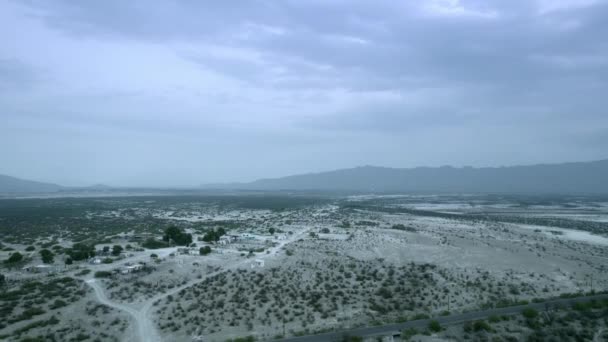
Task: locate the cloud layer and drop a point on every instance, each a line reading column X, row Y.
column 189, row 92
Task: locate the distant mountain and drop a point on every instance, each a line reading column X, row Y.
column 10, row 184
column 98, row 187
column 583, row 177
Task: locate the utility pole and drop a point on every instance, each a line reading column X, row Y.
column 448, row 300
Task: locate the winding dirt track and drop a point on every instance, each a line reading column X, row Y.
column 146, row 330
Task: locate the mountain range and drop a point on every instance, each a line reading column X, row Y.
column 10, row 184
column 577, row 177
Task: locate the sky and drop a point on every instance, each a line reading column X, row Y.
column 182, row 93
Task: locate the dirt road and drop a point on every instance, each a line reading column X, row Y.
column 145, row 329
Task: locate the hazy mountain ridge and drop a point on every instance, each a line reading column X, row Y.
column 577, row 177
column 10, row 184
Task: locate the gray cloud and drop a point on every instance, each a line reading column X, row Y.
column 322, row 84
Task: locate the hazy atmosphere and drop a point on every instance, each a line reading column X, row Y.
column 186, row 92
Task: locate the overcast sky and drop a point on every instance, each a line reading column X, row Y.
column 174, row 93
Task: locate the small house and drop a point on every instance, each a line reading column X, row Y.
column 41, row 269
column 132, row 268
column 95, row 261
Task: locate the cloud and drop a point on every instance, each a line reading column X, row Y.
column 296, row 77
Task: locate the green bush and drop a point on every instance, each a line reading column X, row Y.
column 481, row 325
column 103, row 274
column 116, row 250
column 434, row 326
column 81, row 251
column 408, row 333
column 178, row 236
column 14, row 258
column 530, row 313
column 154, row 244
column 83, row 272
column 47, row 256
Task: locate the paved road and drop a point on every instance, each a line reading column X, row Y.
column 446, row 320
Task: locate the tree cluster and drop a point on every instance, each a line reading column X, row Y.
column 81, row 251
column 214, row 235
column 14, row 258
column 47, row 256
column 177, row 236
column 116, row 250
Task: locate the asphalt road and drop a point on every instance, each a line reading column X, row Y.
column 444, row 320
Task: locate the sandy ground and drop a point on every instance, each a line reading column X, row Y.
column 343, row 275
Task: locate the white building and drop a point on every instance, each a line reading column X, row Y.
column 132, row 268
column 95, row 261
column 41, row 269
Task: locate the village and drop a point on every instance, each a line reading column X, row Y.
column 231, row 272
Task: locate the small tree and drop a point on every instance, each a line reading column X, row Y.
column 116, row 250
column 271, row 230
column 106, row 249
column 178, row 236
column 14, row 258
column 204, row 250
column 47, row 256
column 69, row 261
column 434, row 326
column 2, row 279
column 530, row 313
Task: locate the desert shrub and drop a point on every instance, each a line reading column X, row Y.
column 408, row 333
column 494, row 319
column 154, row 244
column 400, row 226
column 116, row 250
column 58, row 303
column 47, row 256
column 481, row 325
column 434, row 326
column 204, row 250
column 83, row 272
column 14, row 258
column 529, row 313
column 103, row 274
